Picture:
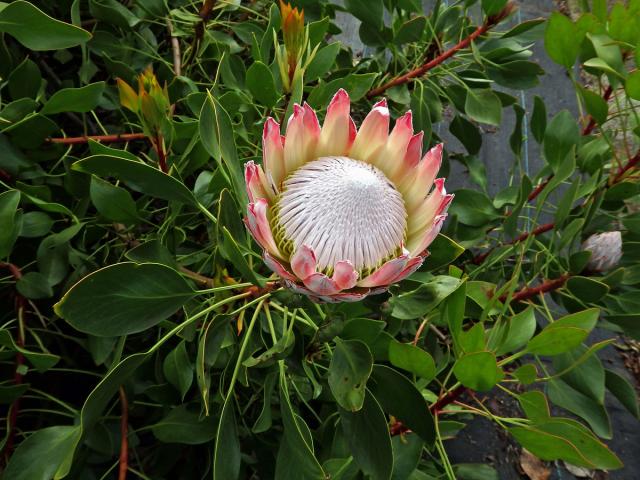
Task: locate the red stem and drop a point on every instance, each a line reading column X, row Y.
column 418, row 72
column 162, row 156
column 544, row 287
column 538, row 190
column 478, row 259
column 121, row 137
column 629, row 165
column 124, row 431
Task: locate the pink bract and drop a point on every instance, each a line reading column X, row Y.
column 342, row 213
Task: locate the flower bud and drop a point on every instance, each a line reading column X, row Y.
column 606, row 250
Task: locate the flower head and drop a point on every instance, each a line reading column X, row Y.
column 342, row 213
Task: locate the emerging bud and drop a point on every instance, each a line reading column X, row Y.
column 293, row 32
column 151, row 103
column 295, row 55
column 606, row 250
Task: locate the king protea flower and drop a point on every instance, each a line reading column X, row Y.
column 342, row 213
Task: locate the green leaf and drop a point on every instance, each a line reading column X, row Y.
column 419, row 302
column 152, row 252
column 140, row 177
column 562, row 40
column 491, row 7
column 564, row 334
column 579, row 404
column 260, row 82
column 25, row 81
column 478, row 370
column 578, row 261
column 623, row 391
column 41, row 361
column 513, row 334
column 588, row 290
column 442, row 251
column 83, row 99
column 44, row 454
column 216, row 134
column 564, row 439
column 35, row 224
column 10, row 221
column 124, row 298
column 595, row 105
column 297, row 442
column 368, row 438
column 622, row 191
column 453, row 311
column 467, row 133
column 632, row 85
column 473, row 208
column 535, row 406
column 349, row 371
column 538, row 119
column 9, row 393
column 227, row 455
column 399, row 397
column 34, row 285
column 581, row 369
column 526, row 374
column 483, row 106
column 112, row 11
column 561, row 135
column 114, row 203
column 182, row 426
column 321, row 64
column 178, row 370
column 363, row 329
column 38, row 31
column 411, row 30
column 412, row 359
column 475, row 471
column 357, row 84
column 407, row 452
column 368, row 11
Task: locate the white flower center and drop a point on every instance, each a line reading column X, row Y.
column 343, row 209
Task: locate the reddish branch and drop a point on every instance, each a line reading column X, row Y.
column 158, row 145
column 20, row 308
column 464, row 43
column 121, row 137
column 538, row 190
column 478, row 259
column 546, row 286
column 628, row 166
column 592, row 123
column 124, row 441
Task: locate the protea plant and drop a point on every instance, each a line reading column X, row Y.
column 342, row 213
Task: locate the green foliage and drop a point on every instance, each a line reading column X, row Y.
column 131, row 289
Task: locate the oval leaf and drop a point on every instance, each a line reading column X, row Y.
column 124, row 298
column 348, row 373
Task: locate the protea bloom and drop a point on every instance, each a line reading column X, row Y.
column 342, row 213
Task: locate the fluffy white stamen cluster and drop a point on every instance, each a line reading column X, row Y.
column 342, row 213
column 342, row 209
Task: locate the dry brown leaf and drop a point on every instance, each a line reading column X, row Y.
column 533, row 467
